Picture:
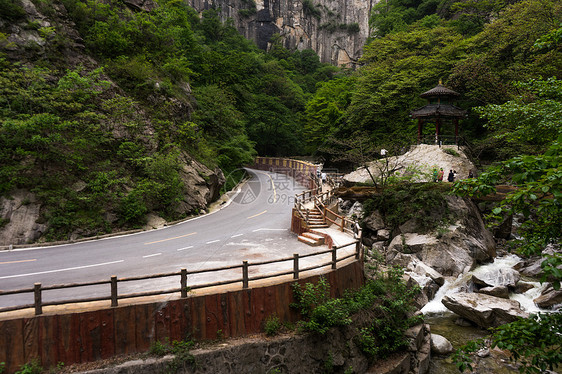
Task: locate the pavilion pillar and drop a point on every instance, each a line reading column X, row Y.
column 456, row 131
column 437, row 125
column 420, row 128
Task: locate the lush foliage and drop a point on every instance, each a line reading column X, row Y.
column 102, row 147
column 34, row 367
column 539, row 189
column 387, row 299
column 478, row 48
column 272, row 325
column 533, row 342
column 399, row 203
column 181, row 350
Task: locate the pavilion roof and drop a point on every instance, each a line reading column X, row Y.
column 438, row 110
column 440, row 91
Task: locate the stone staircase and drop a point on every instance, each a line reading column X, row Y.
column 311, row 239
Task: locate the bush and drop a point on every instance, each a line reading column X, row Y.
column 34, row 367
column 451, row 151
column 11, row 9
column 424, row 202
column 272, row 325
column 387, row 297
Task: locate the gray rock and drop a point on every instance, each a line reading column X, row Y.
column 502, row 277
column 21, row 212
column 484, row 310
column 383, row 234
column 410, row 226
column 374, row 221
column 411, row 242
column 549, row 298
column 440, row 345
column 523, row 287
column 424, row 270
column 497, row 291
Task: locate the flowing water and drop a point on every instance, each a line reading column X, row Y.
column 442, row 321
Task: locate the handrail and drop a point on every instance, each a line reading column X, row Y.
column 184, row 288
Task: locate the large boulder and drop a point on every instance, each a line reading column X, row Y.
column 450, row 250
column 440, row 345
column 497, row 291
column 20, row 219
column 549, row 298
column 501, row 277
column 374, row 221
column 444, row 257
column 484, row 310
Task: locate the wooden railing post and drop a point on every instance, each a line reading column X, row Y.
column 358, row 250
column 113, row 291
column 245, row 281
column 341, row 224
column 334, row 257
column 296, row 266
column 37, row 297
column 307, row 214
column 183, row 283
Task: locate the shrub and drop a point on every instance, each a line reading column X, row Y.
column 11, row 9
column 451, row 151
column 272, row 325
column 424, row 202
column 34, row 367
column 388, row 297
column 180, row 349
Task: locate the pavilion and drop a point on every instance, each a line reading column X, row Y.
column 438, row 109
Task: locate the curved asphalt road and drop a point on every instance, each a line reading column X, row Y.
column 254, row 227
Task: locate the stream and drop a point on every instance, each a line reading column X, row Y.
column 442, row 321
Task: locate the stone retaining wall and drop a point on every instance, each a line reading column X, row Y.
column 334, row 352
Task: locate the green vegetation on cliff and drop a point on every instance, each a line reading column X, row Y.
column 102, row 133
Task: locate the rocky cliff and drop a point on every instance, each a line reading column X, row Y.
column 43, row 37
column 336, row 30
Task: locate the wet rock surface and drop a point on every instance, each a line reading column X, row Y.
column 484, row 310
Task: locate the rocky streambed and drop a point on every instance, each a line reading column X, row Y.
column 467, row 283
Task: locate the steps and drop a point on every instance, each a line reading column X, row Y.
column 316, row 219
column 311, row 239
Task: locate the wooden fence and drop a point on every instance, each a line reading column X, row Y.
column 93, row 334
column 183, row 288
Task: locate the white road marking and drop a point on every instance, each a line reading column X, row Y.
column 213, row 241
column 60, row 270
column 152, row 255
column 237, row 235
column 269, row 230
column 181, row 249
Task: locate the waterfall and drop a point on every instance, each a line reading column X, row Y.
column 463, row 284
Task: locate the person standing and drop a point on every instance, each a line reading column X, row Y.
column 470, row 175
column 451, row 176
column 440, row 175
column 435, row 174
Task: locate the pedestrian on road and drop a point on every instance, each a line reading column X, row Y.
column 440, row 175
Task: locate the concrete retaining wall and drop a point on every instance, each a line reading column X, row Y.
column 92, row 335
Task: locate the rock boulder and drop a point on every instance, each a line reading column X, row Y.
column 549, row 298
column 484, row 310
column 440, row 345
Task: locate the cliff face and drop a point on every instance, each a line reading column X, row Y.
column 23, row 212
column 337, row 30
